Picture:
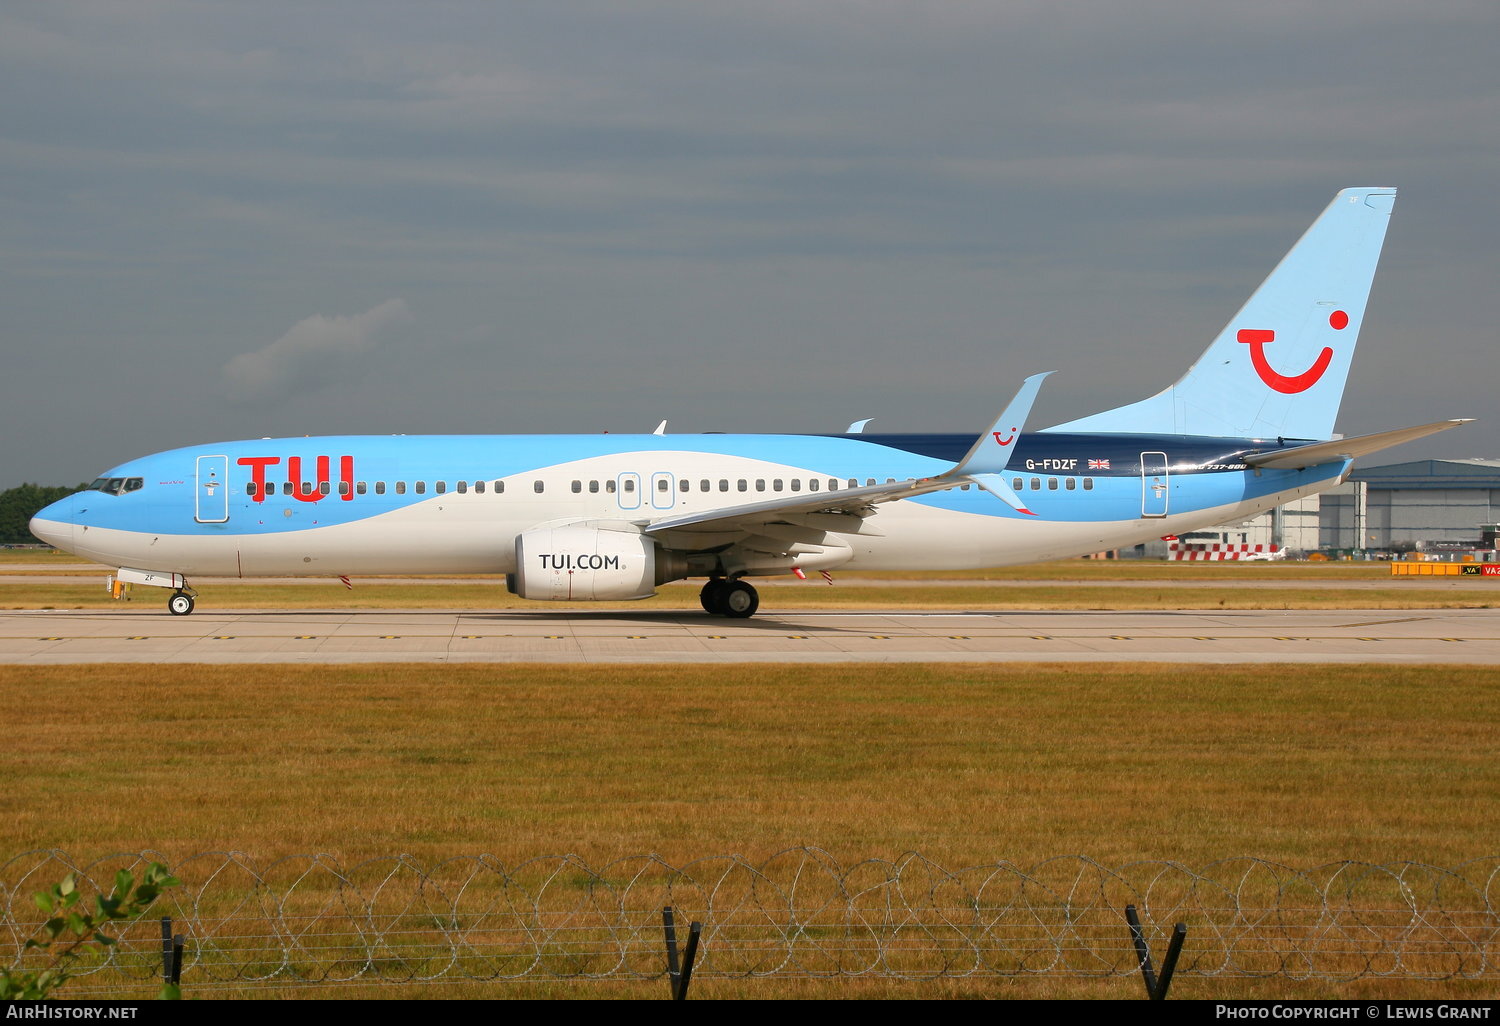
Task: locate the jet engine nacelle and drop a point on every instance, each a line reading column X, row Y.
column 582, row 564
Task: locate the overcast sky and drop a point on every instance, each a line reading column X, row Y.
column 271, row 218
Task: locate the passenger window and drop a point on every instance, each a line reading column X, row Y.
column 577, row 487
column 250, row 488
column 479, row 487
column 1088, row 484
column 609, row 487
column 593, row 487
column 744, row 485
column 1017, row 484
column 684, row 485
column 421, row 487
column 964, row 488
column 869, row 481
column 760, row 484
column 1070, row 484
column 812, row 485
column 343, row 488
column 723, row 484
column 796, row 484
column 440, row 487
column 538, row 487
column 703, row 485
column 661, row 485
column 499, row 487
column 379, row 487
column 1051, row 484
column 323, row 487
column 1036, row 484
column 400, row 487
column 833, row 484
column 776, row 485
column 461, row 487
column 361, row 488
column 286, row 488
column 630, row 484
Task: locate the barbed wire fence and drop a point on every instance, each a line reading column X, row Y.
column 308, row 920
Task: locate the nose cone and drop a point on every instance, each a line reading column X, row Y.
column 54, row 524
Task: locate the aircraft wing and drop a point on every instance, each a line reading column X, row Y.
column 1347, row 448
column 846, row 510
column 850, row 505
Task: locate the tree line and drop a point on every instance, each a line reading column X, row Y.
column 18, row 505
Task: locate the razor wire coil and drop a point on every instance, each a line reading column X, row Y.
column 309, row 919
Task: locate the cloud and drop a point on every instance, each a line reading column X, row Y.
column 311, row 355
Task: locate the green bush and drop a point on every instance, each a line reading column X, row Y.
column 70, row 932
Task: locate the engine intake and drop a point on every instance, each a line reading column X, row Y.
column 581, row 564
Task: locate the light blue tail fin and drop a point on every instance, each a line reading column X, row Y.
column 1278, row 368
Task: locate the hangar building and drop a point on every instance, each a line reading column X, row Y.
column 1433, row 506
column 1424, row 505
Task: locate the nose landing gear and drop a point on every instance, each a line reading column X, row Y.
column 179, row 603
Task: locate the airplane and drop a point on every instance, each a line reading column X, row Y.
column 608, row 517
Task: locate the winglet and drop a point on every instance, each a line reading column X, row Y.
column 991, row 452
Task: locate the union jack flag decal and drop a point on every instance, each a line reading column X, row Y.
column 1098, row 464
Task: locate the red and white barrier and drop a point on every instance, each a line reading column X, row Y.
column 1214, row 551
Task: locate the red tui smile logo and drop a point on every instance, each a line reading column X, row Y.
column 1256, row 339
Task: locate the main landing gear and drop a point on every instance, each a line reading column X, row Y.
column 734, row 599
column 180, row 604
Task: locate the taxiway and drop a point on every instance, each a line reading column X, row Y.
column 683, row 636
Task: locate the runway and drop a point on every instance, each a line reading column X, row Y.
column 683, row 636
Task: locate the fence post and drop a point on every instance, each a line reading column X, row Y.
column 1169, row 965
column 695, row 931
column 1156, row 988
column 679, row 974
column 172, row 946
column 669, row 927
column 166, row 949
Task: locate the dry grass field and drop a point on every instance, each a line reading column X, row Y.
column 965, row 764
column 962, row 763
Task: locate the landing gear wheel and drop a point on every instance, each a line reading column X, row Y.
column 712, row 596
column 180, row 604
column 740, row 600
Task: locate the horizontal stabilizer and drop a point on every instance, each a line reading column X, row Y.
column 1347, row 448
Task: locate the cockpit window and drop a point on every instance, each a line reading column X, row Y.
column 116, row 485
